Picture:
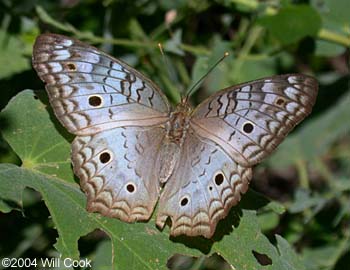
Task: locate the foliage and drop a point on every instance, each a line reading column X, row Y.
column 305, row 222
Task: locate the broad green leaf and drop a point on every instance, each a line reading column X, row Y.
column 334, row 14
column 325, row 48
column 288, row 256
column 219, row 77
column 252, row 68
column 268, row 221
column 103, row 256
column 42, row 146
column 11, row 55
column 39, row 142
column 293, row 23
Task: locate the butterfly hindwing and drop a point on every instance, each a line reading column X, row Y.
column 117, row 171
column 203, row 188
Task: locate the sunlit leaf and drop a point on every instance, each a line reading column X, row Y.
column 293, row 23
column 12, row 60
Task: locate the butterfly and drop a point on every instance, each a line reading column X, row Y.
column 133, row 150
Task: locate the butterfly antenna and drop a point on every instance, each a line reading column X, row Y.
column 166, row 62
column 195, row 86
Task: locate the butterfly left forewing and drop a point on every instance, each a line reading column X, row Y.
column 249, row 120
column 91, row 91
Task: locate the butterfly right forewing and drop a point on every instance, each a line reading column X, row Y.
column 249, row 120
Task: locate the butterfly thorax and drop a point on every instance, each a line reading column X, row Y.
column 176, row 130
column 178, row 123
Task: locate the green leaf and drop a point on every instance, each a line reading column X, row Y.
column 173, row 44
column 39, row 142
column 255, row 68
column 293, row 23
column 290, row 259
column 103, row 256
column 268, row 221
column 219, row 77
column 42, row 146
column 329, row 49
column 4, row 207
column 335, row 14
column 12, row 59
column 304, row 200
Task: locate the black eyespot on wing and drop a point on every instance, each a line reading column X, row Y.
column 248, row 127
column 280, row 102
column 95, row 101
column 184, row 202
column 130, row 188
column 105, row 157
column 71, row 67
column 219, row 179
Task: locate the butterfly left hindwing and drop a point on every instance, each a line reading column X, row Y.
column 117, row 171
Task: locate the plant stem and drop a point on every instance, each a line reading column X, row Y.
column 334, row 37
column 302, row 171
column 45, row 17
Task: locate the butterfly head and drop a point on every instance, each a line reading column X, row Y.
column 184, row 106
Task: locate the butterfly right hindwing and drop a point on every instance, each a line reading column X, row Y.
column 203, row 188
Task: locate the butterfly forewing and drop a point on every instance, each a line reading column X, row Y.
column 91, row 91
column 249, row 120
